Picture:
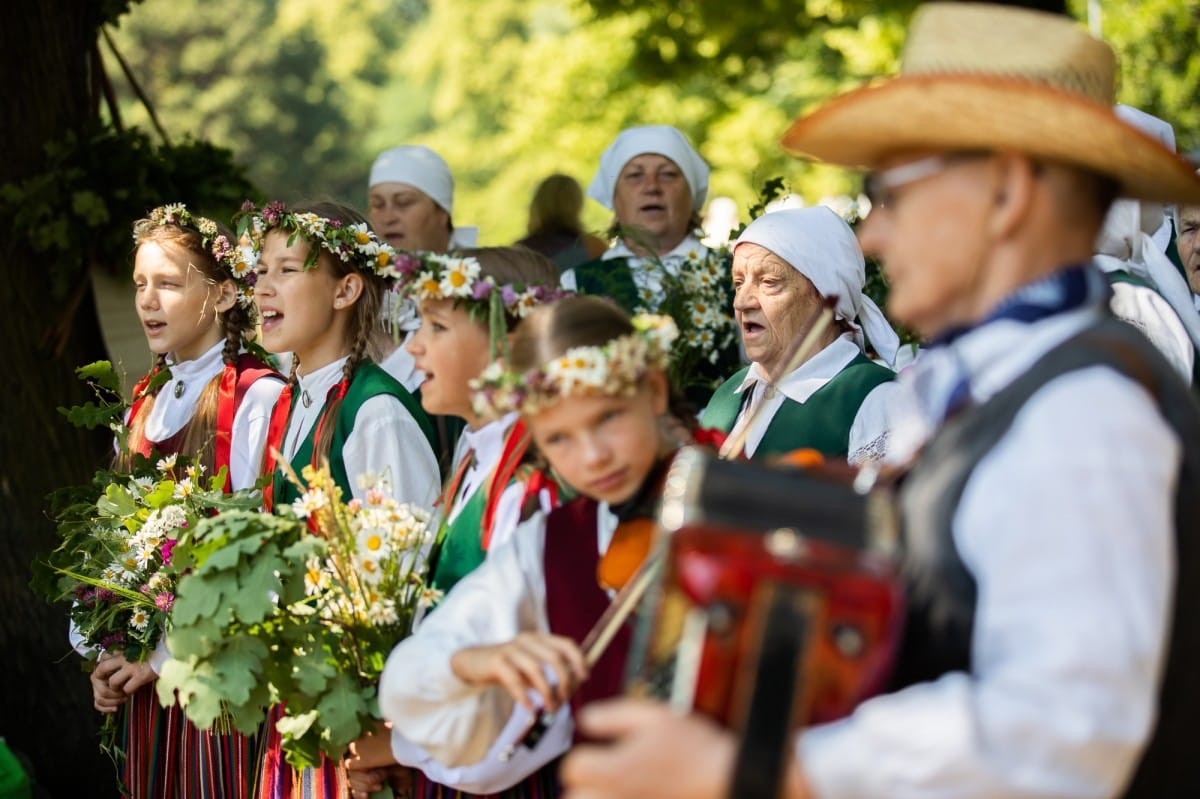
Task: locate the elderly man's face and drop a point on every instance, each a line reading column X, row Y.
column 772, row 302
column 1188, row 242
column 653, row 196
column 930, row 236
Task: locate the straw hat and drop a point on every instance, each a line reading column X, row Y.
column 982, row 76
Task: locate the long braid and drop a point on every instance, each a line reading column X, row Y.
column 202, row 428
column 358, row 350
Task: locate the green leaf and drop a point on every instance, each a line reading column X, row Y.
column 312, row 673
column 102, row 374
column 239, row 667
column 91, row 415
column 117, row 502
column 344, row 710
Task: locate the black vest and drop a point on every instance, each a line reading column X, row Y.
column 942, row 591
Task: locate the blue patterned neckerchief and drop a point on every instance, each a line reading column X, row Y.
column 1066, row 290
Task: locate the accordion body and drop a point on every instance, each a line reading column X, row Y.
column 779, row 601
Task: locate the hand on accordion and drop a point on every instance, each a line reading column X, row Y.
column 652, row 751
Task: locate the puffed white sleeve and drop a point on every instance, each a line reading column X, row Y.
column 872, row 423
column 453, row 723
column 250, row 425
column 386, row 440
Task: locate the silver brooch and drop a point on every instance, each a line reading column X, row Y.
column 178, row 389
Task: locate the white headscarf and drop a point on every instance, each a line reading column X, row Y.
column 661, row 140
column 420, row 167
column 1135, row 235
column 819, row 244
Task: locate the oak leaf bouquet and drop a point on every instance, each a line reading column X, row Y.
column 298, row 610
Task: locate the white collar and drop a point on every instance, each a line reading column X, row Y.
column 681, row 251
column 488, row 441
column 176, row 400
column 203, row 368
column 318, row 382
column 804, row 381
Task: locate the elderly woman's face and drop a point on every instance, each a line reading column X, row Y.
column 653, row 196
column 772, row 302
column 407, row 218
column 1189, row 244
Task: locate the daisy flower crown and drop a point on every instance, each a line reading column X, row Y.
column 614, row 369
column 237, row 259
column 355, row 244
column 436, row 276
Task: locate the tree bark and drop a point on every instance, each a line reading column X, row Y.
column 45, row 699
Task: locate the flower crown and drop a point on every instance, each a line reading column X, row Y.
column 239, row 261
column 614, row 369
column 355, row 244
column 434, row 276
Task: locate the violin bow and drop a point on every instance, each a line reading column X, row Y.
column 805, row 348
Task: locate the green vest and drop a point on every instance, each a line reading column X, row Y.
column 460, row 548
column 822, row 422
column 611, row 278
column 368, row 380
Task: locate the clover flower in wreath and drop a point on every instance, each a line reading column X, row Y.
column 355, row 244
column 613, row 369
column 237, row 260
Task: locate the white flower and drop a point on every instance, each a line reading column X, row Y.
column 382, row 611
column 316, row 578
column 166, row 464
column 145, row 554
column 459, row 277
column 583, row 367
column 430, row 596
column 310, row 502
column 369, row 569
column 184, row 488
column 139, row 619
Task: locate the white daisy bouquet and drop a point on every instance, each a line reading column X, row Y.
column 301, row 610
column 114, row 561
column 699, row 297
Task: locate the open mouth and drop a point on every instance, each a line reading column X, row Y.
column 270, row 319
column 752, row 328
column 653, row 208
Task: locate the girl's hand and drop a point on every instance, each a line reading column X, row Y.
column 104, row 698
column 131, row 676
column 373, row 751
column 519, row 666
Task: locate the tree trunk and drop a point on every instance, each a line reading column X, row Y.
column 45, row 699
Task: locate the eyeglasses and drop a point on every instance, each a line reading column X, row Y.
column 880, row 187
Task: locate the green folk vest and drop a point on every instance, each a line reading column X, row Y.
column 461, row 550
column 367, row 381
column 822, row 422
column 611, row 278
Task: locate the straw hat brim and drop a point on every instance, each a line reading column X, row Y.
column 980, row 112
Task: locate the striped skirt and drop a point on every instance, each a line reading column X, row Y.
column 277, row 779
column 150, row 738
column 167, row 757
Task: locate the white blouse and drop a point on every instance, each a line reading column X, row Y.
column 456, row 732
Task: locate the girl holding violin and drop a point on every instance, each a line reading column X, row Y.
column 503, row 647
